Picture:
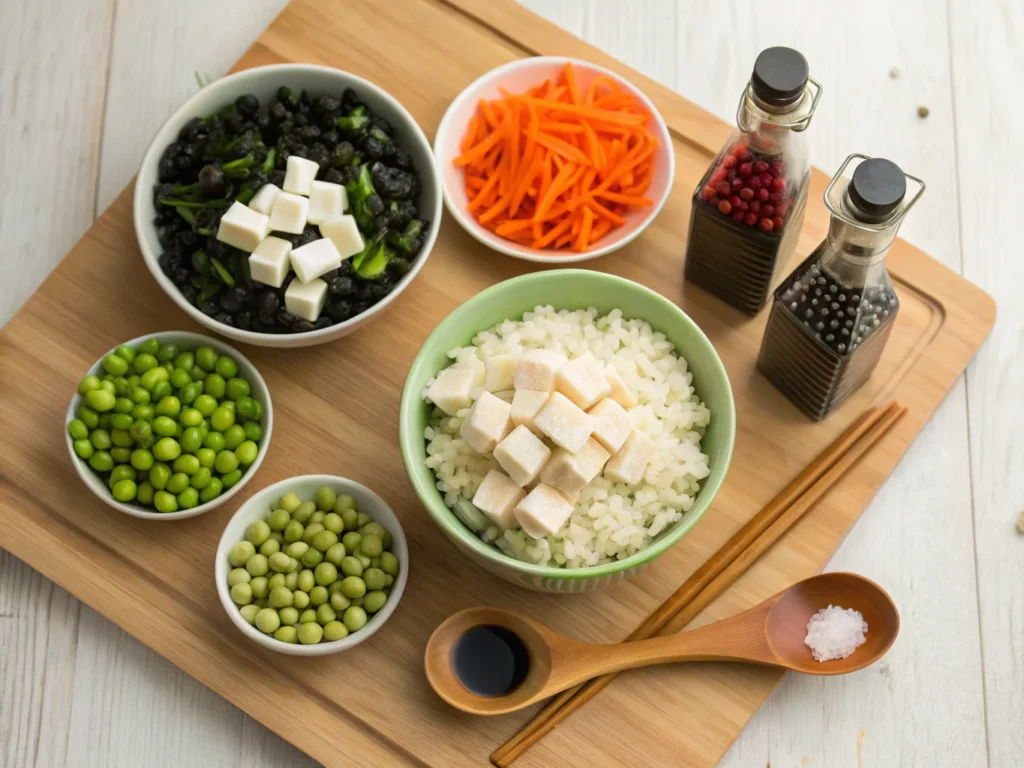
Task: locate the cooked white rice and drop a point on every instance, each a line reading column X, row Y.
column 611, row 521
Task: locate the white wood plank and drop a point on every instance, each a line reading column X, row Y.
column 53, row 71
column 158, row 48
column 986, row 68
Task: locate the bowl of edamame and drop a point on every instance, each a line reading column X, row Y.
column 312, row 565
column 169, row 425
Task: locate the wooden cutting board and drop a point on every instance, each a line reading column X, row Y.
column 337, row 407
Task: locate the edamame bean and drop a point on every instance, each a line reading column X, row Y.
column 374, row 578
column 120, row 438
column 179, row 378
column 88, row 416
column 293, row 531
column 246, row 453
column 374, row 601
column 177, row 483
column 144, row 412
column 161, row 390
column 312, row 558
column 269, row 547
column 212, row 491
column 186, row 360
column 354, row 618
column 101, row 461
column 214, row 386
column 140, row 430
column 371, row 545
column 259, row 586
column 114, row 365
column 167, row 352
column 288, row 616
column 267, row 621
column 389, row 563
column 241, row 594
column 339, row 602
column 249, row 612
column 306, row 581
column 258, row 532
column 159, row 474
column 256, row 564
column 350, row 566
column 84, row 449
column 318, row 596
column 343, row 502
column 240, row 553
column 231, row 478
column 287, row 635
column 144, row 495
column 278, row 519
column 88, row 384
column 144, row 362
column 238, row 576
column 77, row 429
column 120, row 455
column 280, row 597
column 151, row 378
column 124, row 490
column 289, row 503
column 353, row 587
column 100, row 400
column 310, row 633
column 336, row 555
column 301, row 600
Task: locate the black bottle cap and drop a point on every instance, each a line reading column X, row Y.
column 878, row 187
column 780, row 76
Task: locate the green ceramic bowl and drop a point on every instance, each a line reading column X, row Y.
column 565, row 289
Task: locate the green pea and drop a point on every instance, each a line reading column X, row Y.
column 256, row 564
column 312, row 558
column 191, row 441
column 335, row 555
column 144, row 495
column 246, row 453
column 121, row 455
column 206, row 456
column 317, row 517
column 188, row 498
column 152, row 377
column 105, row 422
column 259, row 585
column 144, row 362
column 212, row 491
column 325, row 573
column 334, row 523
column 310, row 633
column 389, row 563
column 201, row 478
column 351, row 566
column 318, row 595
column 226, row 366
column 291, row 579
column 236, row 388
column 241, row 594
column 371, row 545
column 125, row 490
column 287, row 635
column 169, row 406
column 167, row 449
column 114, row 365
column 324, row 540
column 238, row 576
column 123, row 405
column 389, row 580
column 267, row 621
column 374, row 601
column 88, row 416
column 325, row 498
column 190, row 391
column 100, row 439
column 278, row 519
column 293, row 531
column 167, row 352
column 161, row 390
column 107, row 385
column 144, row 412
column 149, row 346
column 225, row 462
column 343, row 502
column 334, row 630
column 288, row 616
column 214, row 385
column 301, row 599
column 121, row 438
column 257, row 532
column 240, row 553
column 204, row 404
column 159, row 474
column 362, row 519
column 339, row 602
column 198, row 374
column 122, row 421
column 304, row 512
column 306, row 581
column 100, row 400
column 348, row 517
column 84, row 449
column 214, row 441
column 354, row 618
column 140, row 430
column 312, row 529
column 249, row 408
column 280, row 597
column 164, row 426
column 280, row 562
column 353, row 587
column 296, row 549
column 221, row 419
column 325, row 614
column 206, row 357
column 252, row 431
column 125, row 352
column 270, row 547
column 249, row 612
column 362, row 558
column 374, row 578
column 88, row 384
column 275, row 580
column 120, row 387
column 234, row 437
column 351, row 540
column 187, row 464
column 165, row 502
column 289, row 503
column 121, row 472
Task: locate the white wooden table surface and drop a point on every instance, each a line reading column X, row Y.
column 83, row 86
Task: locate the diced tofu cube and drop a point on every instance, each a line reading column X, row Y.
column 289, row 213
column 612, row 424
column 522, row 455
column 526, row 404
column 300, row 175
column 242, row 227
column 497, row 498
column 314, row 259
column 499, row 372
column 629, row 464
column 583, row 381
column 306, row 300
column 542, row 512
column 565, row 423
column 269, row 263
column 263, row 200
column 537, row 368
column 450, row 390
column 344, row 233
column 570, row 473
column 327, row 202
column 487, row 424
column 620, row 393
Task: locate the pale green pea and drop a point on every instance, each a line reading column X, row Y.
column 312, row 557
column 231, row 478
column 374, row 601
column 238, row 576
column 240, row 553
column 333, row 523
column 344, row 501
column 279, row 562
column 325, row 498
column 280, row 597
column 277, row 580
column 301, row 599
column 389, row 563
column 289, row 502
column 311, row 530
column 363, row 559
column 259, row 586
column 278, row 519
column 267, row 621
column 325, row 614
column 318, row 596
column 241, row 593
column 211, row 491
column 325, row 574
column 350, row 566
column 317, row 517
column 258, row 532
column 306, row 581
column 293, row 531
column 339, row 602
column 336, row 554
column 304, row 512
column 308, row 615
column 287, row 635
column 374, row 578
column 256, row 565
column 375, row 562
column 362, row 519
column 288, row 616
column 351, row 540
column 354, row 618
column 389, row 580
column 296, row 549
column 310, row 633
column 269, row 547
column 249, row 612
column 334, row 630
column 371, row 545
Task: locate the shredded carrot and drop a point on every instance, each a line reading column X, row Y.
column 559, row 166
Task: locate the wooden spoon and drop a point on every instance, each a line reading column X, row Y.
column 771, row 633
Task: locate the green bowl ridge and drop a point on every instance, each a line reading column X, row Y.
column 567, row 289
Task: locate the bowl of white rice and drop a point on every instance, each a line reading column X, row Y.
column 684, row 407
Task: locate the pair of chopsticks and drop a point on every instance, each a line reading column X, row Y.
column 725, row 566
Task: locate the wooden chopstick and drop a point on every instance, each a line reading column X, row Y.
column 725, row 566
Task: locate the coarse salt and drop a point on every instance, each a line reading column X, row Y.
column 835, row 633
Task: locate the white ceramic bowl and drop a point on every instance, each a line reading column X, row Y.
column 259, row 506
column 246, row 370
column 517, row 77
column 263, row 82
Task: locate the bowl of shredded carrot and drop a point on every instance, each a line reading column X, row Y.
column 551, row 159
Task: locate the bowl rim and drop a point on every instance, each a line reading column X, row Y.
column 374, row 623
column 506, row 247
column 445, row 518
column 85, row 472
column 307, row 338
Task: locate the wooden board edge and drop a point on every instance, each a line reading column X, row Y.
column 24, row 534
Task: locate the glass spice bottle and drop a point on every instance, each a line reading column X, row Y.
column 830, row 319
column 748, row 208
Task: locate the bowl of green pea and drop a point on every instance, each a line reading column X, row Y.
column 312, row 565
column 169, row 426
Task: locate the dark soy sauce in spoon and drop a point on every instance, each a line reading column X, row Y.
column 490, row 661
